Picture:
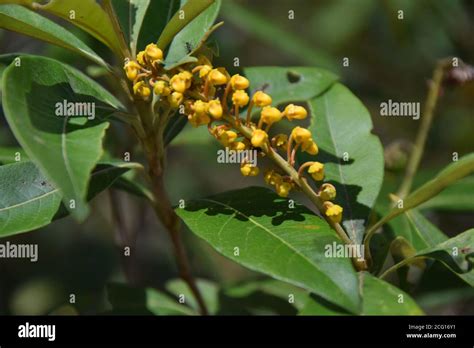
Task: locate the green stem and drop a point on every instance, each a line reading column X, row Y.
column 418, row 148
column 420, row 141
column 155, row 153
column 400, row 264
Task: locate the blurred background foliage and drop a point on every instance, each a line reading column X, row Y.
column 389, row 59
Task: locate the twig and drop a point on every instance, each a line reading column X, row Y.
column 420, row 141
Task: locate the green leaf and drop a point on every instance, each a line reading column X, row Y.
column 424, row 233
column 142, row 21
column 271, row 32
column 24, row 21
column 130, row 15
column 290, row 84
column 352, row 155
column 190, row 10
column 66, row 149
column 29, row 201
column 452, row 173
column 382, row 298
column 12, row 155
column 88, row 15
column 457, row 197
column 286, row 243
column 189, row 38
column 378, row 298
column 456, row 253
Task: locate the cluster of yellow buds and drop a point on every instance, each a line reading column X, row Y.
column 209, row 96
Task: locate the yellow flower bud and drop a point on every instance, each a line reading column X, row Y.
column 272, row 178
column 327, row 192
column 259, row 137
column 240, row 98
column 239, row 82
column 270, row 115
column 300, row 135
column 261, row 99
column 141, row 58
column 131, row 70
column 280, row 141
column 249, row 170
column 141, row 88
column 227, row 137
column 238, row 146
column 215, row 108
column 310, row 147
column 283, row 189
column 295, row 112
column 333, row 211
column 199, row 119
column 153, row 53
column 205, row 69
column 178, row 84
column 187, row 77
column 216, row 77
column 200, row 107
column 175, row 99
column 317, row 171
column 161, row 88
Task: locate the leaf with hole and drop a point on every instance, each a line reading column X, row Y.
column 289, row 84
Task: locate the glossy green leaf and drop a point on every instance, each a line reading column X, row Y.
column 286, row 243
column 142, row 21
column 24, row 21
column 28, row 201
column 291, row 83
column 189, row 38
column 452, row 173
column 66, row 149
column 352, row 155
column 87, row 15
column 130, row 15
column 378, row 298
column 185, row 15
